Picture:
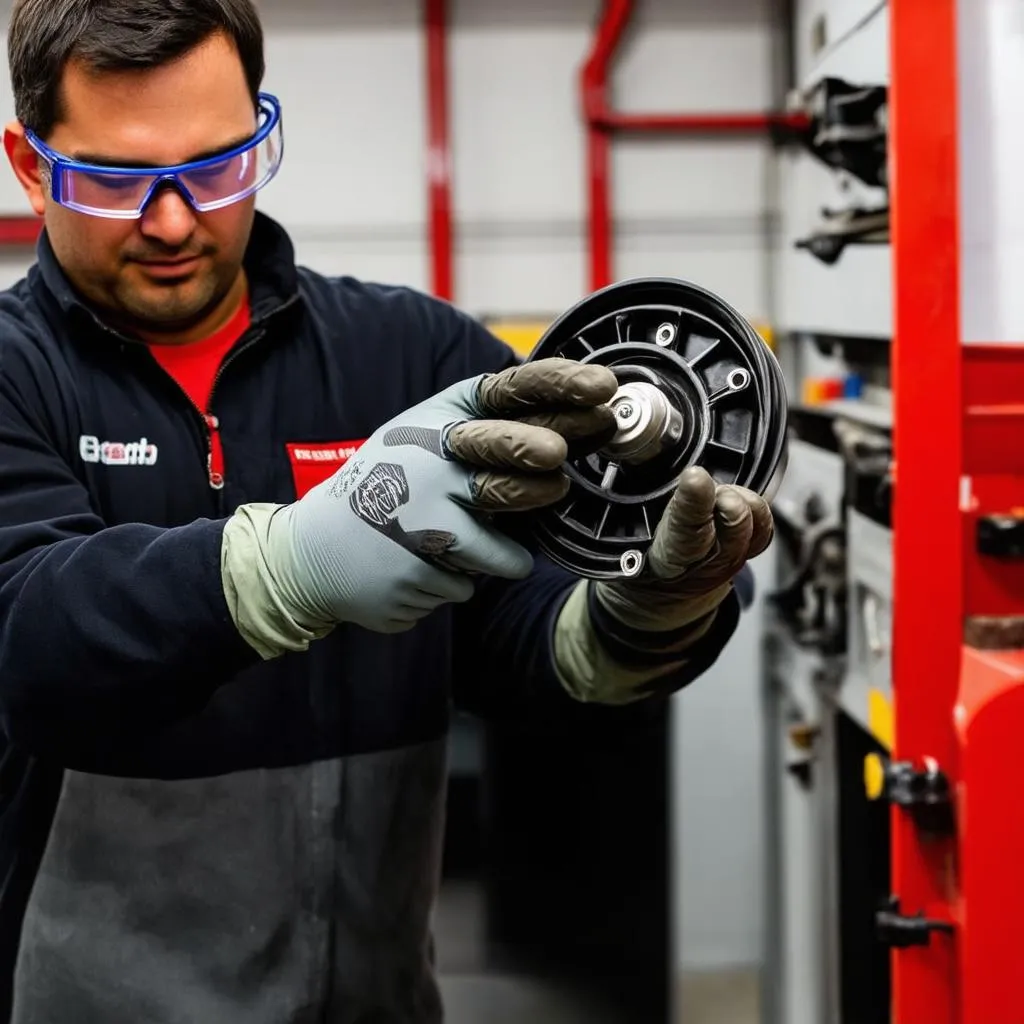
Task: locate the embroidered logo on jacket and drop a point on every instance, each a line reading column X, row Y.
column 314, row 462
column 339, row 453
column 117, row 453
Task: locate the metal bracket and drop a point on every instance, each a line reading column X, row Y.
column 841, row 228
column 900, row 931
column 924, row 793
column 1001, row 536
column 849, row 128
column 812, row 603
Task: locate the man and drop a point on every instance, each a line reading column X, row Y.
column 228, row 639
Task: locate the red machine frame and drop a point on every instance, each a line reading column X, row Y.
column 959, row 454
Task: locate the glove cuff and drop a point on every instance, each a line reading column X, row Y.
column 598, row 660
column 585, row 663
column 659, row 639
column 655, row 611
column 259, row 602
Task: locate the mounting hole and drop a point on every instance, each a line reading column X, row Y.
column 738, row 379
column 631, row 563
column 665, row 335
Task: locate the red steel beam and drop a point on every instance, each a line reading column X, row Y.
column 602, row 121
column 439, row 161
column 928, row 532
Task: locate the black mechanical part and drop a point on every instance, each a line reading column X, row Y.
column 803, row 738
column 841, row 228
column 849, row 128
column 924, row 792
column 867, row 455
column 1001, row 536
column 869, row 354
column 815, row 425
column 901, row 931
column 802, row 772
column 812, row 603
column 815, row 510
column 698, row 386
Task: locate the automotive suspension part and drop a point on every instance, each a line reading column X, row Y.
column 697, row 386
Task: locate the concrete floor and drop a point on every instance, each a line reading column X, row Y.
column 474, row 995
column 725, row 998
column 497, row 999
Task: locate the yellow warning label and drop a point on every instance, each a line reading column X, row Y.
column 874, row 776
column 880, row 718
column 881, row 725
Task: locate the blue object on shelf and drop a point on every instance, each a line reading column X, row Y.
column 853, row 386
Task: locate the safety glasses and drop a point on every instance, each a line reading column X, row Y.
column 124, row 192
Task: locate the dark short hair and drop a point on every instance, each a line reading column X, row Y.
column 116, row 35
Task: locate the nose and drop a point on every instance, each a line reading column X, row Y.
column 168, row 219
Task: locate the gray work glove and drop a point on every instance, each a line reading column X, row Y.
column 400, row 528
column 705, row 536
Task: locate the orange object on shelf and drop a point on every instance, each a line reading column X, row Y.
column 818, row 390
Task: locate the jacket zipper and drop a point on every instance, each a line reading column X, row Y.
column 211, row 424
column 257, row 332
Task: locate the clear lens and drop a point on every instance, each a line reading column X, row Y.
column 114, row 192
column 227, row 181
column 209, row 186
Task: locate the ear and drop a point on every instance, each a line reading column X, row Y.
column 25, row 163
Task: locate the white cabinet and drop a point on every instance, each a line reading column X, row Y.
column 845, row 38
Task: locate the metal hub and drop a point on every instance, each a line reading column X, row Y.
column 647, row 423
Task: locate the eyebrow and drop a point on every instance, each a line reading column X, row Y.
column 108, row 161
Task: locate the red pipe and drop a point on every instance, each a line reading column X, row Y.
column 599, row 146
column 602, row 121
column 439, row 187
column 704, row 123
column 21, row 231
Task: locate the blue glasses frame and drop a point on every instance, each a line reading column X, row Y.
column 59, row 165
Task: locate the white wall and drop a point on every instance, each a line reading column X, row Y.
column 352, row 192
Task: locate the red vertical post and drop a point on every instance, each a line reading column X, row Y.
column 594, row 88
column 600, row 226
column 439, row 159
column 927, row 545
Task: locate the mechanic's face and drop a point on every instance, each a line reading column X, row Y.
column 193, row 107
